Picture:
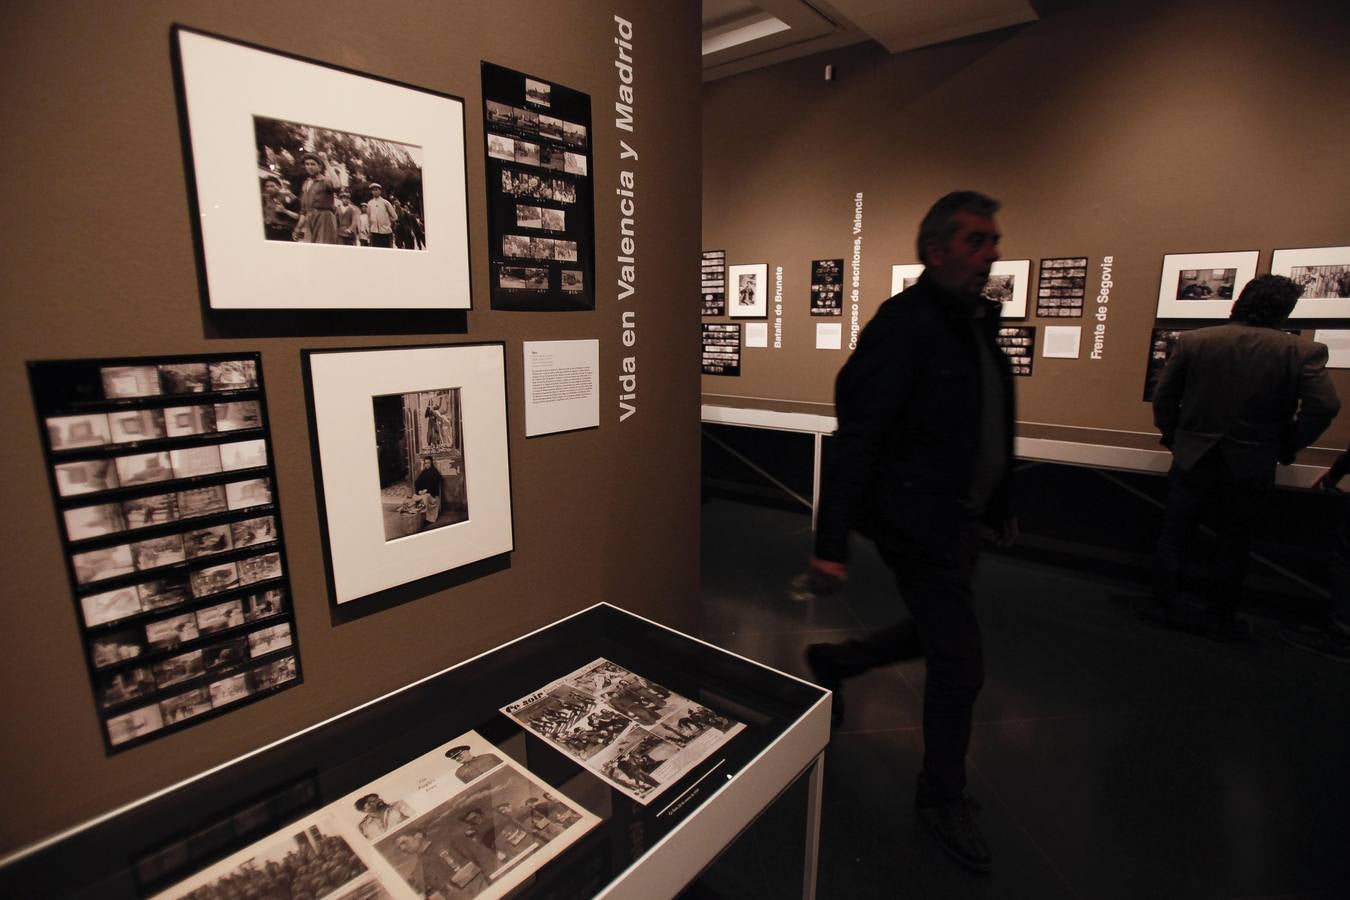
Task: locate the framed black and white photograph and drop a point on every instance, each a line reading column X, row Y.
column 413, row 461
column 905, row 276
column 1203, row 285
column 541, row 212
column 1324, row 273
column 748, row 291
column 1007, row 285
column 94, row 521
column 318, row 187
column 169, row 528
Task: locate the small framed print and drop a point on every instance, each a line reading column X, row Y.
column 110, row 606
column 144, row 468
column 131, row 425
column 904, row 277
column 1007, row 285
column 1324, row 273
column 180, row 421
column 243, row 455
column 73, row 432
column 289, row 155
column 237, row 416
column 748, row 291
column 1203, row 285
column 85, row 477
column 413, row 461
column 126, row 382
column 94, row 521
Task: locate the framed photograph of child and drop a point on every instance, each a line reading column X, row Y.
column 413, row 461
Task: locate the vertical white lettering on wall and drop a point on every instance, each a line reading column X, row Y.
column 853, row 326
column 626, row 193
column 778, row 307
column 1103, row 298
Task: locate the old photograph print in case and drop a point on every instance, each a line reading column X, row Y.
column 636, row 735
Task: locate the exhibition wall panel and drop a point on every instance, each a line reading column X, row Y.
column 101, row 263
column 1107, row 129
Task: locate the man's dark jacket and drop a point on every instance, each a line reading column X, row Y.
column 1258, row 394
column 909, row 403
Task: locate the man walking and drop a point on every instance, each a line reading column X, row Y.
column 1232, row 401
column 920, row 464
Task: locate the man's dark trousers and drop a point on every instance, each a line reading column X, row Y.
column 1236, row 501
column 944, row 629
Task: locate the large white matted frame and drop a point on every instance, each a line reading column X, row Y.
column 363, row 560
column 224, row 86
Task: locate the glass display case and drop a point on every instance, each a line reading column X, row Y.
column 756, row 732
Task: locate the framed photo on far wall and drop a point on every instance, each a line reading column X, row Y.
column 413, row 468
column 1203, row 285
column 904, row 276
column 1324, row 273
column 748, row 291
column 1008, row 279
column 316, row 187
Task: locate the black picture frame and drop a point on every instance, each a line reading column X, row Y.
column 225, row 87
column 537, row 141
column 160, row 511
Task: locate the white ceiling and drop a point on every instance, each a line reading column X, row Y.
column 739, row 35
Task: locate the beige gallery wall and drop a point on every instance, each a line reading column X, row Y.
column 1106, row 128
column 99, row 261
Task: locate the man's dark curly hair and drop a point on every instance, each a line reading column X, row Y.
column 938, row 223
column 1267, row 300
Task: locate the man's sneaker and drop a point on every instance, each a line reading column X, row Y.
column 1177, row 616
column 955, row 829
column 1329, row 642
column 826, row 672
column 1226, row 626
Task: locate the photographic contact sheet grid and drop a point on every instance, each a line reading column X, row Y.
column 162, row 477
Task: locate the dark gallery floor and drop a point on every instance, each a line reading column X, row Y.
column 1111, row 758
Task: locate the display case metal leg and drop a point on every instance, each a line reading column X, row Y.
column 810, row 864
column 819, row 441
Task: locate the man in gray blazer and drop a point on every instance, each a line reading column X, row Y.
column 1232, row 402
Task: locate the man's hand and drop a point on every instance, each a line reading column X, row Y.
column 1002, row 537
column 1327, row 482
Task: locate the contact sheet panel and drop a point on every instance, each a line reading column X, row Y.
column 161, row 471
column 541, row 205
